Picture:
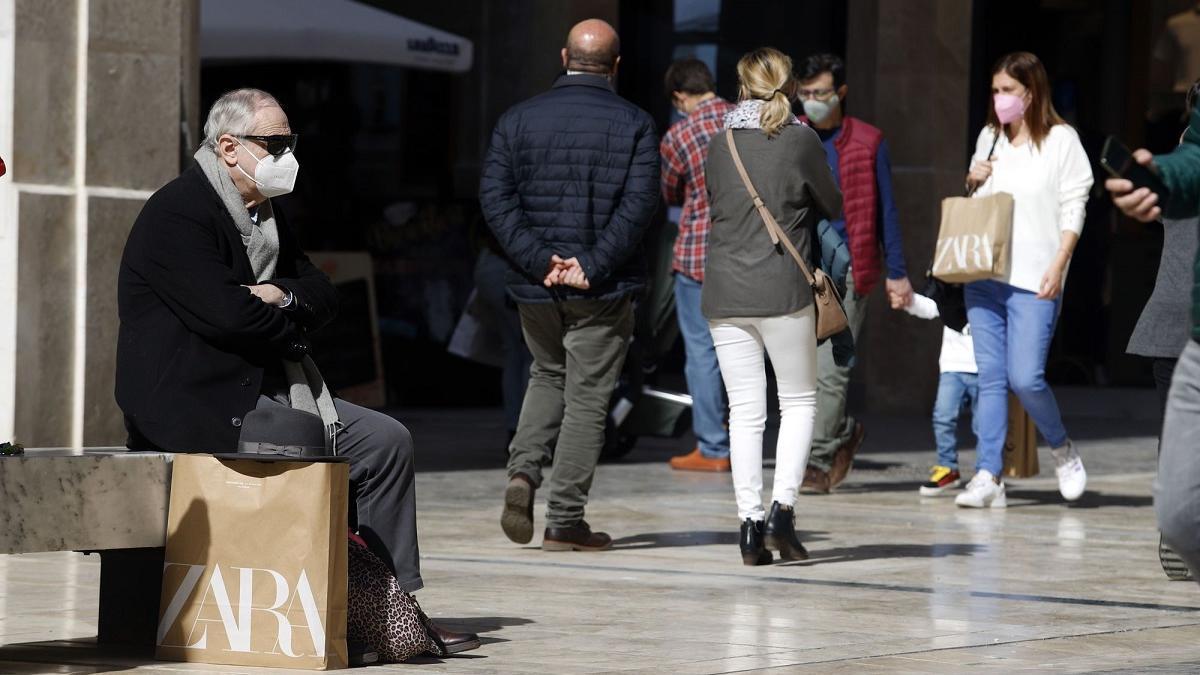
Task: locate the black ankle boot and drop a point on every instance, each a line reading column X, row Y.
column 779, row 533
column 753, row 551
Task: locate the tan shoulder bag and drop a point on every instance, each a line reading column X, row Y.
column 831, row 317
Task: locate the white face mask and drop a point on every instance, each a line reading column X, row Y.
column 274, row 176
column 819, row 111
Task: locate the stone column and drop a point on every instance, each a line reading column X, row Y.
column 908, row 68
column 90, row 123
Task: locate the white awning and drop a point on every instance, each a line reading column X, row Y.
column 325, row 30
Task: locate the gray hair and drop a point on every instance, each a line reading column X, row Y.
column 234, row 113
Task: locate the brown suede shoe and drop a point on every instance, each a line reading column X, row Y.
column 578, row 537
column 695, row 461
column 815, row 482
column 517, row 518
column 843, row 458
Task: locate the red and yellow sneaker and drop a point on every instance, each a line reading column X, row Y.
column 941, row 479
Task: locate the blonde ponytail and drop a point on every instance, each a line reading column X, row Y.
column 766, row 74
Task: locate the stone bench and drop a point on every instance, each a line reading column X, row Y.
column 100, row 500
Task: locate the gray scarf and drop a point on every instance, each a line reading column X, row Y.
column 306, row 387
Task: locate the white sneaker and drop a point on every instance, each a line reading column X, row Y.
column 983, row 492
column 1072, row 477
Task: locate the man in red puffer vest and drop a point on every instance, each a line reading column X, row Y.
column 858, row 156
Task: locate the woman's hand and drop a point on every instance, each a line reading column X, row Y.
column 980, row 173
column 1051, row 282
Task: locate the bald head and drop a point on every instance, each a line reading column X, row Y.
column 592, row 47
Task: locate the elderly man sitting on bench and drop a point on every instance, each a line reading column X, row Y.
column 215, row 297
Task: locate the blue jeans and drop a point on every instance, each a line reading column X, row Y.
column 703, row 375
column 1012, row 330
column 954, row 389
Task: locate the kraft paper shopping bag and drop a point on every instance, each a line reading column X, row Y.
column 1021, row 445
column 255, row 571
column 974, row 238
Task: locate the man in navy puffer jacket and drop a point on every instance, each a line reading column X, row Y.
column 569, row 184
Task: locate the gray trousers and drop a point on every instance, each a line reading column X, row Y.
column 383, row 490
column 834, row 427
column 1177, row 489
column 578, row 349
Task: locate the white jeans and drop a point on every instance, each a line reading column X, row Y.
column 791, row 343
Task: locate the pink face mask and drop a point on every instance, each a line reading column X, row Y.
column 1009, row 108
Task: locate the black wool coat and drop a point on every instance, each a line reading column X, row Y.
column 193, row 344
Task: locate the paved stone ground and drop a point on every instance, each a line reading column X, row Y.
column 895, row 583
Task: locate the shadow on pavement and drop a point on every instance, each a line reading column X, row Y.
column 481, row 624
column 884, row 552
column 473, row 624
column 72, row 656
column 853, row 488
column 1089, row 500
column 696, row 538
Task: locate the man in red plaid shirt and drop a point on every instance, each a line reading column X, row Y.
column 684, row 148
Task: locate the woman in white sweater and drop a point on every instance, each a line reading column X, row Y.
column 1038, row 159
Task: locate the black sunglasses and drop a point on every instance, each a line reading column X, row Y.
column 277, row 144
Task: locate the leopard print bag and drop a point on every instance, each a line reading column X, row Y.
column 380, row 614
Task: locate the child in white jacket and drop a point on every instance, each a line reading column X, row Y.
column 958, row 384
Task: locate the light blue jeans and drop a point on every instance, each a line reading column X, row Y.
column 954, row 389
column 1012, row 330
column 703, row 374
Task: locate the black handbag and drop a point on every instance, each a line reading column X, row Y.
column 950, row 301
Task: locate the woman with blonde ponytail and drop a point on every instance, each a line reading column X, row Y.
column 765, row 76
column 756, row 297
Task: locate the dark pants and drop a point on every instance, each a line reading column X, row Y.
column 1163, row 369
column 834, row 427
column 382, row 485
column 578, row 349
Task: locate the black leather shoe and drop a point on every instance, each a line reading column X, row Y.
column 578, row 537
column 451, row 642
column 753, row 551
column 779, row 533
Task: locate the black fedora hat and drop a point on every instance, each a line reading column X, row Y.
column 278, row 433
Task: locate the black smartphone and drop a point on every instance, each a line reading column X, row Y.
column 1117, row 160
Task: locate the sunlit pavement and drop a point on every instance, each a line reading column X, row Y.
column 895, row 583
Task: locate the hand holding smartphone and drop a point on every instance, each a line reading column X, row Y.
column 1118, row 161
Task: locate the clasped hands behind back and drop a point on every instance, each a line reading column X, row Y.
column 566, row 272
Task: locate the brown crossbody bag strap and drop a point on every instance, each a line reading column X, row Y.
column 778, row 236
column 831, row 317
